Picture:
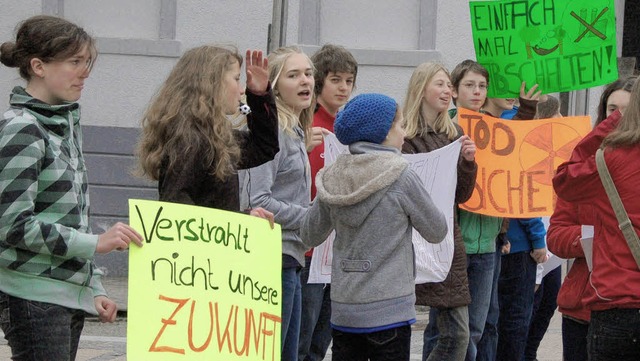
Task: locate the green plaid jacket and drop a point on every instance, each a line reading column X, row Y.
column 46, row 248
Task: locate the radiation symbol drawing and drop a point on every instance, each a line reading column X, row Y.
column 545, row 148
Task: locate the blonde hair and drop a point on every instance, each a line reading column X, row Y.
column 186, row 118
column 415, row 124
column 628, row 131
column 287, row 119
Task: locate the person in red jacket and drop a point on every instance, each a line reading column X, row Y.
column 563, row 240
column 615, row 302
column 335, row 78
column 564, row 233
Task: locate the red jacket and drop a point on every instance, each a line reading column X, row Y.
column 323, row 119
column 615, row 277
column 563, row 240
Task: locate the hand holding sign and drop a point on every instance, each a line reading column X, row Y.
column 468, row 150
column 118, row 237
column 317, row 135
column 262, row 213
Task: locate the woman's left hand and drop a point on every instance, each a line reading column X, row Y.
column 257, row 72
column 468, row 149
column 262, row 213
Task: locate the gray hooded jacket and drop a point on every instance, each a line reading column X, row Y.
column 372, row 199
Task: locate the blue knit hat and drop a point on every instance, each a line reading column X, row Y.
column 366, row 117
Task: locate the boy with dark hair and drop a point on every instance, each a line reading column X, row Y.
column 335, row 78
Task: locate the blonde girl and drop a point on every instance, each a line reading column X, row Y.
column 430, row 127
column 282, row 186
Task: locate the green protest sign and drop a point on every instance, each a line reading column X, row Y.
column 561, row 45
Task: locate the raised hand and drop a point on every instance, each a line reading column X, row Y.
column 531, row 94
column 257, row 72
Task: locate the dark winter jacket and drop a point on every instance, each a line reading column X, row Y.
column 192, row 182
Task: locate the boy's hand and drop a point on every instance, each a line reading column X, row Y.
column 257, row 72
column 107, row 309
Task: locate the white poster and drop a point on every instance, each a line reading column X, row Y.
column 438, row 171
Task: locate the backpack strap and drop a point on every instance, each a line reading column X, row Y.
column 624, row 223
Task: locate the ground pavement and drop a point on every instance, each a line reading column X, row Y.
column 107, row 342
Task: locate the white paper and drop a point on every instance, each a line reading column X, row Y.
column 551, row 263
column 438, row 172
column 587, row 245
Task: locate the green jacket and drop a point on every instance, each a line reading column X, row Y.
column 479, row 232
column 46, row 248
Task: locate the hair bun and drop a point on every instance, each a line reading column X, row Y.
column 7, row 54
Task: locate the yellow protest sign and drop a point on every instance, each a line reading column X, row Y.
column 206, row 285
column 517, row 160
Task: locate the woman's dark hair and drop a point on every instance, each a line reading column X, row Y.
column 620, row 84
column 47, row 38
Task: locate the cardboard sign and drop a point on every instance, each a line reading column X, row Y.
column 206, row 285
column 517, row 161
column 561, row 45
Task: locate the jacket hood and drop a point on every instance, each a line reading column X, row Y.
column 356, row 182
column 54, row 117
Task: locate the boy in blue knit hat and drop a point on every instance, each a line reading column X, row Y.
column 373, row 200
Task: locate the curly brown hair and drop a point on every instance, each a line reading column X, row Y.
column 186, row 118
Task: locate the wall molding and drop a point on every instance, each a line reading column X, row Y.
column 164, row 46
column 400, row 58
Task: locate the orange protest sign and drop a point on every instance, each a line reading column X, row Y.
column 517, row 160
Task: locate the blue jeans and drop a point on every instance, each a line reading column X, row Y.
column 315, row 327
column 291, row 308
column 446, row 336
column 40, row 331
column 393, row 344
column 544, row 305
column 614, row 335
column 516, row 288
column 480, row 273
column 574, row 340
column 488, row 345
